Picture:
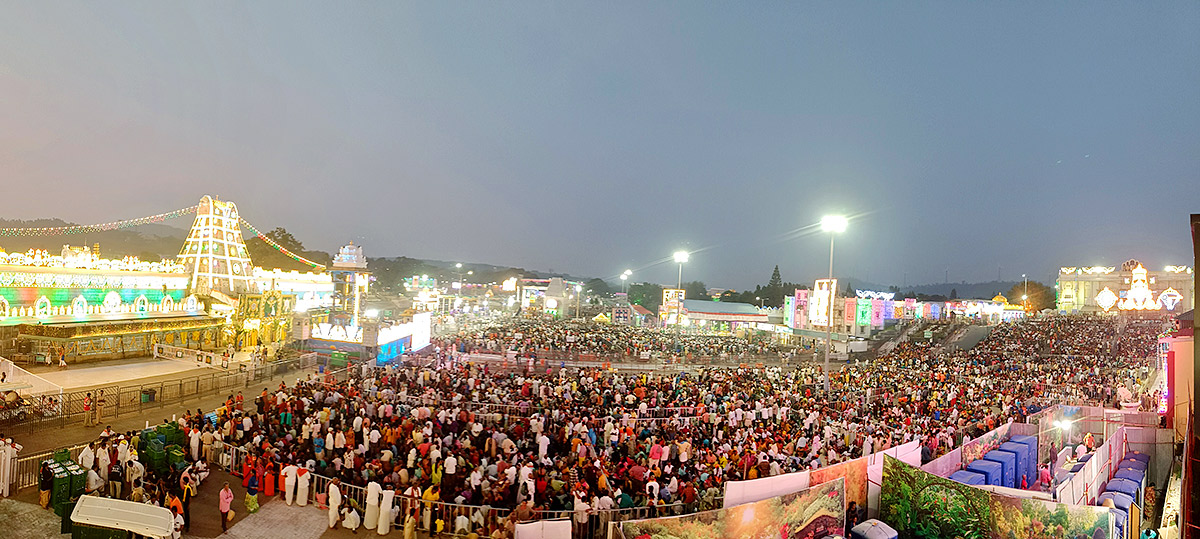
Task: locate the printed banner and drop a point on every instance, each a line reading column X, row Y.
column 818, row 511
column 851, row 310
column 862, row 312
column 877, row 312
column 854, row 472
column 889, row 310
column 921, row 505
column 977, row 448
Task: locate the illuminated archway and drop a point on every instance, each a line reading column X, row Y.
column 191, row 303
column 141, row 304
column 112, row 302
column 3, row 306
column 79, row 306
column 167, row 304
column 41, row 309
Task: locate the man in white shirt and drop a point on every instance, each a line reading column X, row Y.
column 177, row 524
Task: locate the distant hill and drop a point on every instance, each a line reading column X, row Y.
column 964, row 290
column 149, row 242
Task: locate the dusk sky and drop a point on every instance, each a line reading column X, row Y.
column 969, row 137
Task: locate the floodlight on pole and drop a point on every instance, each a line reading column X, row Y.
column 834, row 225
column 680, row 258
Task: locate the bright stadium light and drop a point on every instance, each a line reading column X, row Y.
column 834, row 223
column 681, row 257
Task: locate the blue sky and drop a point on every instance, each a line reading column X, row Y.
column 968, row 137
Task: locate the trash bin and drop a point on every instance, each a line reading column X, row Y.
column 64, row 510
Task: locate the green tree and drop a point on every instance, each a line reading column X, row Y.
column 284, row 238
column 773, row 295
column 598, row 287
column 695, row 290
column 1040, row 295
column 648, row 295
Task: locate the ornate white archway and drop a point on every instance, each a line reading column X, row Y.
column 41, row 309
column 141, row 304
column 79, row 305
column 112, row 302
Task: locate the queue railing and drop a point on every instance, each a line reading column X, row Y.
column 27, row 468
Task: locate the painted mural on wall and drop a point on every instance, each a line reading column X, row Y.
column 812, row 513
column 855, row 474
column 977, row 448
column 920, row 505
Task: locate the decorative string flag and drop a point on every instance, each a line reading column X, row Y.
column 86, row 229
column 279, row 247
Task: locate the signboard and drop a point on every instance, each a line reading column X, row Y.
column 850, row 311
column 889, row 310
column 929, row 334
column 877, row 312
column 820, row 300
column 789, row 311
column 862, row 312
column 935, row 311
column 622, row 315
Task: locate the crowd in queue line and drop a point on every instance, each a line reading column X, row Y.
column 590, row 440
column 528, row 337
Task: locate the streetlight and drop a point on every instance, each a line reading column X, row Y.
column 578, row 297
column 834, row 225
column 624, row 277
column 759, row 300
column 1026, row 294
column 680, row 258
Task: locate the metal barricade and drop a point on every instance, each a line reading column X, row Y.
column 26, row 469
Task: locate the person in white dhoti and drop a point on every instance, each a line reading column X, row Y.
column 334, row 498
column 352, row 521
column 289, row 482
column 371, row 519
column 385, row 513
column 103, row 460
column 303, row 477
column 194, row 441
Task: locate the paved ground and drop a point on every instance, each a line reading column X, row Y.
column 21, row 517
column 78, row 434
column 118, row 372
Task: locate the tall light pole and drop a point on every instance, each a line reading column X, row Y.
column 625, row 277
column 578, row 297
column 834, row 225
column 760, row 302
column 680, row 258
column 1025, row 296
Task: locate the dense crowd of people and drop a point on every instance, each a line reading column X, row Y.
column 529, row 337
column 459, row 431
